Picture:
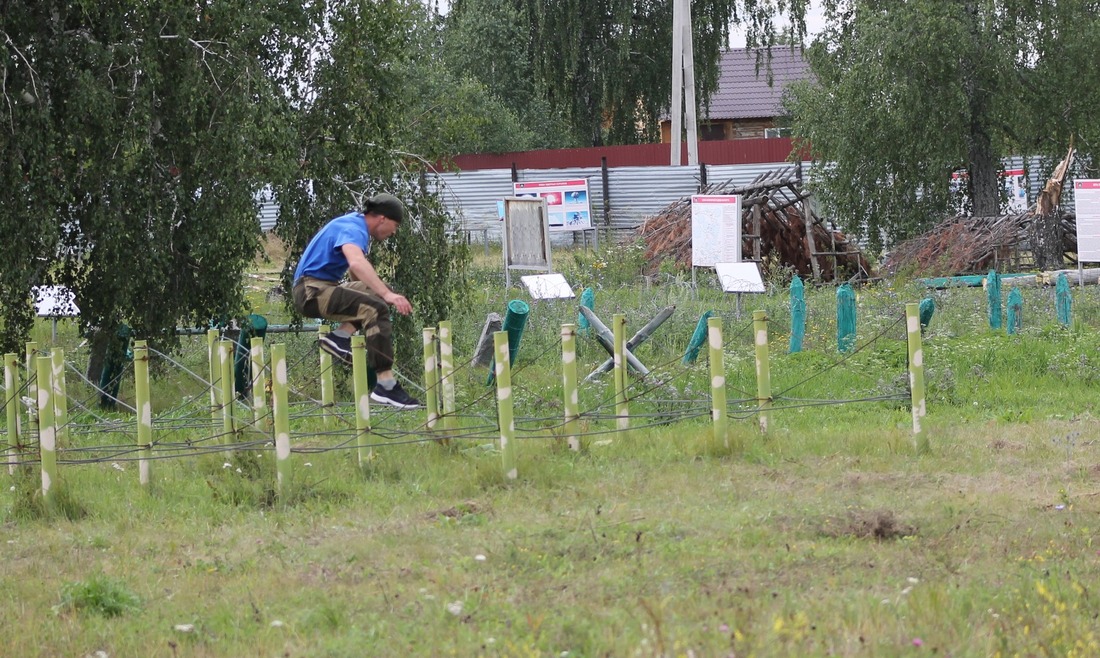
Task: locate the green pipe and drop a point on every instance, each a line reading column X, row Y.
column 845, row 318
column 144, row 406
column 697, row 339
column 717, row 382
column 505, row 411
column 1063, row 300
column 798, row 315
column 926, row 310
column 515, row 319
column 588, row 300
column 993, row 299
column 256, row 326
column 1015, row 312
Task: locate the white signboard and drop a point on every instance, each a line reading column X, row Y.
column 54, row 302
column 739, row 277
column 1086, row 196
column 567, row 204
column 715, row 229
column 547, row 286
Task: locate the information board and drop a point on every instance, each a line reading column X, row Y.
column 715, row 229
column 567, row 202
column 739, row 277
column 1086, row 197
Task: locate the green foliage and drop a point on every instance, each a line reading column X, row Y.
column 487, row 41
column 132, row 165
column 906, row 94
column 348, row 105
column 99, row 595
column 603, row 65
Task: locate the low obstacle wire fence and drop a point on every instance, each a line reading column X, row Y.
column 49, row 430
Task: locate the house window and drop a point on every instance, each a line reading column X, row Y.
column 771, row 133
column 712, row 132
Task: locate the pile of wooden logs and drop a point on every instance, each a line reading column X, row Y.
column 974, row 245
column 776, row 211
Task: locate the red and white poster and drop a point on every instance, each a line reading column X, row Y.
column 715, row 229
column 1086, row 199
column 567, row 203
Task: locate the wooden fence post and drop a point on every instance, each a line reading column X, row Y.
column 763, row 368
column 47, row 432
column 916, row 374
column 144, row 406
column 281, row 410
column 505, row 410
column 717, row 360
column 361, row 391
column 570, row 399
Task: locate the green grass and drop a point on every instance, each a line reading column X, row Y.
column 829, row 535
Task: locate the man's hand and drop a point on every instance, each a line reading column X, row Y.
column 399, row 302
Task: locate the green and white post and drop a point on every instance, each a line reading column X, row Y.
column 259, row 378
column 225, row 362
column 12, row 403
column 361, row 391
column 32, row 384
column 763, row 369
column 47, row 432
column 281, row 409
column 505, row 410
column 144, row 410
column 328, row 385
column 215, row 375
column 431, row 373
column 570, row 399
column 60, row 394
column 446, row 376
column 916, row 374
column 622, row 407
column 717, row 381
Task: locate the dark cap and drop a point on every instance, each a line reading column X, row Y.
column 387, row 205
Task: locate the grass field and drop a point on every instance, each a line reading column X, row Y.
column 829, row 535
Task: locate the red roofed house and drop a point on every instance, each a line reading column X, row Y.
column 745, row 105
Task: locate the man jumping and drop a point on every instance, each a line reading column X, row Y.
column 361, row 304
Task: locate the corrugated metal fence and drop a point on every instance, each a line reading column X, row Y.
column 632, row 193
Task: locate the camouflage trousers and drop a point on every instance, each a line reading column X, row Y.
column 353, row 302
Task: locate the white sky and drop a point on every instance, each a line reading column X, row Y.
column 815, row 22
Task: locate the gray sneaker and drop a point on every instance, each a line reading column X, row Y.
column 395, row 397
column 338, row 346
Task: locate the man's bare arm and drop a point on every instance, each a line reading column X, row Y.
column 362, row 270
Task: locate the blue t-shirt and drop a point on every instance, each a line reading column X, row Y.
column 323, row 258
